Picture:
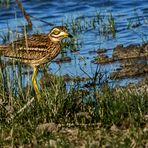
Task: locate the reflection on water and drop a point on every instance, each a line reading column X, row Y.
column 57, row 11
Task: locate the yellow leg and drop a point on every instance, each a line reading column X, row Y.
column 34, row 82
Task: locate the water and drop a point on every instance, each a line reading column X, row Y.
column 58, row 11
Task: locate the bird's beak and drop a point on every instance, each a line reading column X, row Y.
column 70, row 36
column 66, row 35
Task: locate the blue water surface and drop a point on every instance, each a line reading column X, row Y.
column 59, row 11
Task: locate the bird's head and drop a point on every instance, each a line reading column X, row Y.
column 57, row 34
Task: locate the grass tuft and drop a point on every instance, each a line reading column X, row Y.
column 121, row 113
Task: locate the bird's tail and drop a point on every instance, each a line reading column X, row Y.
column 3, row 48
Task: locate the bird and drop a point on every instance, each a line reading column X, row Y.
column 36, row 49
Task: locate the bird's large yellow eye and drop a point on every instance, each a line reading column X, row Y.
column 56, row 31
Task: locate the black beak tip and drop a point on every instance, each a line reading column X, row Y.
column 70, row 36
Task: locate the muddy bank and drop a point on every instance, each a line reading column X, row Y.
column 123, row 53
column 131, row 51
column 130, row 70
column 139, row 88
column 133, row 60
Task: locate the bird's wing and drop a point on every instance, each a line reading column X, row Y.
column 29, row 48
column 32, row 41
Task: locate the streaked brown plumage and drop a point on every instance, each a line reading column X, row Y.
column 36, row 49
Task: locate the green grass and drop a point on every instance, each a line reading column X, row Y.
column 5, row 3
column 104, row 24
column 114, row 118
